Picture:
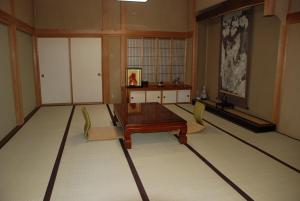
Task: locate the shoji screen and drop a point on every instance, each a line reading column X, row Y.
column 54, row 63
column 7, row 108
column 86, row 69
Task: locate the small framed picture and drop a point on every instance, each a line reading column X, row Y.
column 134, row 77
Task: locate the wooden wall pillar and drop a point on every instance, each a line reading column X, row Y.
column 16, row 75
column 37, row 81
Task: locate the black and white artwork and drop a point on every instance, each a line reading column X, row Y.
column 234, row 53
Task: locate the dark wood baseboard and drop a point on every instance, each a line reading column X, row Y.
column 13, row 132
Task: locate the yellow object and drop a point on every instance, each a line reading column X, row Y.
column 198, row 112
column 98, row 133
column 87, row 119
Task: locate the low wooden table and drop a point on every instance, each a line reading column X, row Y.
column 146, row 118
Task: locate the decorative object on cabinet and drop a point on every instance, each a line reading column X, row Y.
column 203, row 95
column 134, row 77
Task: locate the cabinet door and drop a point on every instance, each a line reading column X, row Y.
column 153, row 96
column 54, row 63
column 86, row 69
column 184, row 96
column 137, row 97
column 169, row 96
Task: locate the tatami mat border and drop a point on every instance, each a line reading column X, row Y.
column 14, row 131
column 288, row 136
column 111, row 115
column 247, row 143
column 50, row 186
column 134, row 172
column 218, row 172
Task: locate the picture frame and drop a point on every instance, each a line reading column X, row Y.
column 134, row 77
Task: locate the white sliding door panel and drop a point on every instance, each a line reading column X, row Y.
column 54, row 66
column 86, row 69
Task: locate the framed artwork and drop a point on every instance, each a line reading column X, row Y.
column 134, row 77
column 234, row 73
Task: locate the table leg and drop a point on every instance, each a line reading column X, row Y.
column 127, row 139
column 182, row 135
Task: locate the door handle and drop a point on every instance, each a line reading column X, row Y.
column 99, row 74
column 42, row 75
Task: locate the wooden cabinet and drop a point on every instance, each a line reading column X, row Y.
column 152, row 93
column 183, row 96
column 153, row 96
column 169, row 96
column 137, row 97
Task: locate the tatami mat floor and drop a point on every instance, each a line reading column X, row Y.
column 26, row 161
column 281, row 146
column 168, row 171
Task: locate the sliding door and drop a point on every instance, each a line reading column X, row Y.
column 54, row 63
column 86, row 70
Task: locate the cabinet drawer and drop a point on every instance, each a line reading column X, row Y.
column 153, row 96
column 183, row 96
column 137, row 97
column 169, row 96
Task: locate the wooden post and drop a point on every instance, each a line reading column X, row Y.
column 105, row 69
column 37, row 81
column 194, row 53
column 16, row 75
column 269, row 7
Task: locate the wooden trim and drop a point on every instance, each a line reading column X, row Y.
column 4, row 20
column 171, row 60
column 12, row 8
column 279, row 74
column 105, row 70
column 156, row 60
column 102, row 14
column 88, row 103
column 17, row 88
column 37, row 81
column 123, row 19
column 159, row 34
column 269, row 7
column 123, row 54
column 194, row 54
column 293, row 18
column 7, row 18
column 226, row 7
column 70, row 68
column 56, row 104
column 94, row 33
column 185, row 62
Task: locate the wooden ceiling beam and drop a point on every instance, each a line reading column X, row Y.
column 226, row 7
